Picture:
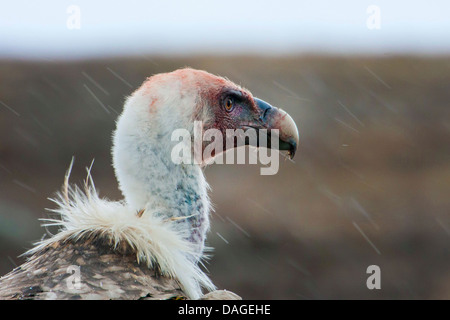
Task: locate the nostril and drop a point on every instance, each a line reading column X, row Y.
column 265, row 113
column 264, row 107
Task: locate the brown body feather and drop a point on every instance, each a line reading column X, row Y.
column 104, row 274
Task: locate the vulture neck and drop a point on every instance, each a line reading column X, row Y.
column 152, row 182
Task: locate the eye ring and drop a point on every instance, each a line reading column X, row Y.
column 229, row 104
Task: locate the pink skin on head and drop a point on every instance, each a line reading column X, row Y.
column 210, row 91
column 207, row 86
column 191, row 81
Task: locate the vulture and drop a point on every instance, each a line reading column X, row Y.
column 151, row 244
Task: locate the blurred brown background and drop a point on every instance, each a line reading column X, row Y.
column 370, row 184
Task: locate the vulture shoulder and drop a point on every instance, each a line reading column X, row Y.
column 103, row 273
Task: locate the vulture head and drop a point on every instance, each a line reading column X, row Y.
column 143, row 144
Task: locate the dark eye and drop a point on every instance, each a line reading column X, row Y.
column 229, row 104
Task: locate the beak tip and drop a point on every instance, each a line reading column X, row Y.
column 292, row 149
column 279, row 119
column 292, row 152
column 289, row 145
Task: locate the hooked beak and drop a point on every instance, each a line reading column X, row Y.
column 274, row 118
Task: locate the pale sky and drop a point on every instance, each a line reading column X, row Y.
column 38, row 29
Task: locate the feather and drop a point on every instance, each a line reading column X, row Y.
column 154, row 241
